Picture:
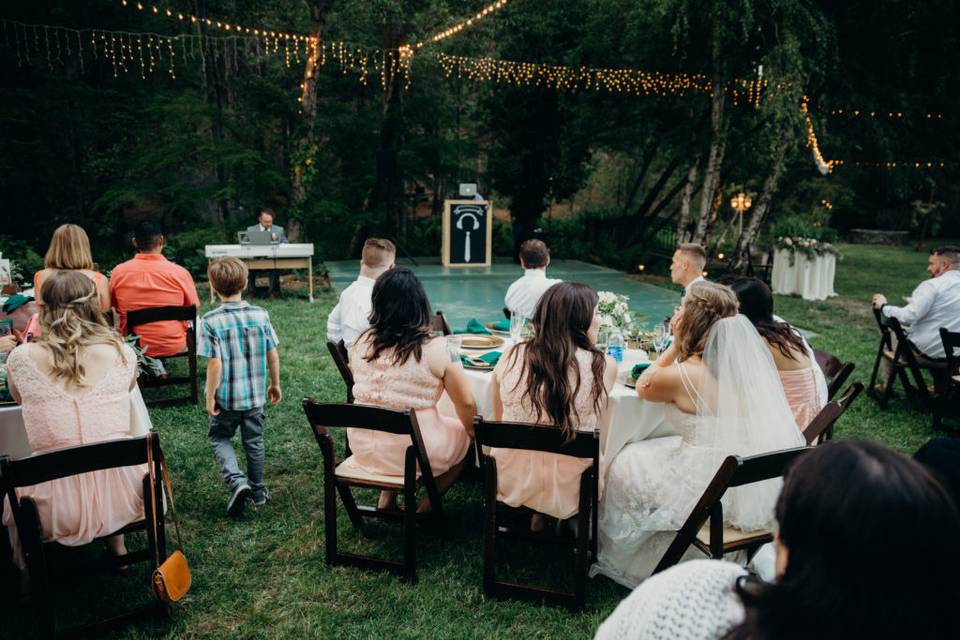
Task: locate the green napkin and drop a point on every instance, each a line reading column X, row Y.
column 491, row 358
column 474, row 326
column 638, row 369
column 501, row 325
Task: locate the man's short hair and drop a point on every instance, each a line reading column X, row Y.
column 228, row 275
column 147, row 235
column 694, row 253
column 950, row 253
column 535, row 254
column 268, row 211
column 378, row 253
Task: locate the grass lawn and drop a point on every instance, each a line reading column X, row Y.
column 263, row 576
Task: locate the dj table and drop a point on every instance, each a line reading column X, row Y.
column 267, row 257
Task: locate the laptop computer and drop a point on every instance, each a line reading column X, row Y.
column 259, row 237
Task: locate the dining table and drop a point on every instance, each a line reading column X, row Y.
column 626, row 419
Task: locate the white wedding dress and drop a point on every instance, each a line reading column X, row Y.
column 651, row 486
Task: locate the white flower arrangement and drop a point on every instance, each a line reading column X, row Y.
column 810, row 247
column 614, row 311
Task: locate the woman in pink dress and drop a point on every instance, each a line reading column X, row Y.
column 74, row 386
column 802, row 380
column 69, row 250
column 560, row 378
column 397, row 364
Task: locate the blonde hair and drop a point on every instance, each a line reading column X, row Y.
column 69, row 249
column 228, row 276
column 70, row 320
column 704, row 304
column 695, row 255
column 377, row 253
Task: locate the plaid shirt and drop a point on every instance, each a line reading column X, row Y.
column 240, row 335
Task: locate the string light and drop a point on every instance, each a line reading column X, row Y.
column 460, row 26
column 854, row 114
column 217, row 24
column 823, row 165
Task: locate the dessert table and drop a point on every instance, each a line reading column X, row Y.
column 627, row 418
column 811, row 279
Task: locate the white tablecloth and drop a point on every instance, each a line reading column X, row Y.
column 627, row 419
column 13, row 434
column 811, row 279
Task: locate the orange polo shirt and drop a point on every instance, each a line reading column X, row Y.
column 150, row 280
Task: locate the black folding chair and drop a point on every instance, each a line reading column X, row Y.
column 139, row 317
column 835, row 371
column 548, row 439
column 951, row 390
column 714, row 538
column 895, row 348
column 338, row 351
column 439, row 323
column 72, row 461
column 821, row 427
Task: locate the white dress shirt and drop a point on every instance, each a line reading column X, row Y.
column 350, row 317
column 934, row 304
column 525, row 292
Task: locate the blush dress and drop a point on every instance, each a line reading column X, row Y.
column 800, row 388
column 77, row 509
column 411, row 385
column 545, row 482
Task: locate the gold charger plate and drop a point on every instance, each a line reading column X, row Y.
column 498, row 332
column 480, row 342
column 630, row 384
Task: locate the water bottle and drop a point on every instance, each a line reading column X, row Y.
column 616, row 345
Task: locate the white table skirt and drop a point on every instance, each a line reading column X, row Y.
column 13, row 434
column 811, row 279
column 627, row 418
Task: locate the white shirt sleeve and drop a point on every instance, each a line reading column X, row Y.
column 335, row 325
column 919, row 306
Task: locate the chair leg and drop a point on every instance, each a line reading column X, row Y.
column 490, row 526
column 583, row 529
column 350, row 505
column 410, row 517
column 32, row 547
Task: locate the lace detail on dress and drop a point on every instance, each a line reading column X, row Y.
column 408, row 386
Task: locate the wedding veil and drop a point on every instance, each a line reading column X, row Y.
column 743, row 411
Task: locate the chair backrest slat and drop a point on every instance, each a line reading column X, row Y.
column 357, row 416
column 765, row 466
column 532, row 437
column 951, row 346
column 831, row 412
column 339, row 354
column 884, row 328
column 137, row 317
column 71, row 461
column 438, row 322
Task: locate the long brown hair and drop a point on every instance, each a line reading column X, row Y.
column 70, row 320
column 704, row 303
column 756, row 302
column 400, row 317
column 561, row 321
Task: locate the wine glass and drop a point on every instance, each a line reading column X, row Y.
column 660, row 335
column 517, row 326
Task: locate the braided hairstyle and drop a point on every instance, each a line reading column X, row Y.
column 704, row 303
column 70, row 321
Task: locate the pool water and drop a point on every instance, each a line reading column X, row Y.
column 477, row 292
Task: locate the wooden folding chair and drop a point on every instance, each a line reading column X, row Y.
column 951, row 391
column 139, row 317
column 835, row 371
column 548, row 439
column 338, row 478
column 821, row 427
column 715, row 539
column 439, row 323
column 338, row 351
column 73, row 461
column 903, row 360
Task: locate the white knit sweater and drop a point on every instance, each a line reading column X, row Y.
column 694, row 600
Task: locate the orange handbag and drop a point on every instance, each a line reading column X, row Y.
column 171, row 578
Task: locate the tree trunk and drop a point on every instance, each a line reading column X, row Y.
column 770, row 186
column 683, row 233
column 387, row 190
column 711, row 176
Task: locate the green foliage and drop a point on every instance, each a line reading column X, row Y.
column 187, row 247
column 24, row 259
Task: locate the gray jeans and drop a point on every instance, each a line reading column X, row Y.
column 221, row 431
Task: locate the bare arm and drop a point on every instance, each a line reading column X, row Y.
column 214, row 372
column 103, row 292
column 273, row 365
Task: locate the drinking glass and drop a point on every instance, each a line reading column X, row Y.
column 518, row 325
column 660, row 335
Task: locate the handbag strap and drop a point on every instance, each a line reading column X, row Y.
column 151, row 438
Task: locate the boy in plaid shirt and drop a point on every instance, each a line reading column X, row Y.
column 241, row 346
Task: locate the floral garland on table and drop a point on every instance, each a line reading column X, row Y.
column 809, row 247
column 614, row 311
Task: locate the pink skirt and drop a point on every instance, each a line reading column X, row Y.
column 545, row 482
column 78, row 509
column 444, row 438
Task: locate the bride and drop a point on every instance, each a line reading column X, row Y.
column 722, row 397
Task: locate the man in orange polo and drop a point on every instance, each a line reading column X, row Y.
column 150, row 280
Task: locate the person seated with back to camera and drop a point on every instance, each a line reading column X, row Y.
column 351, row 316
column 558, row 377
column 277, row 235
column 524, row 294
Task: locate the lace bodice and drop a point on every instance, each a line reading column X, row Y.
column 55, row 418
column 517, row 407
column 411, row 385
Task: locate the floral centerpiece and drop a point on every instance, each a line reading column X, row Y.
column 809, row 247
column 614, row 311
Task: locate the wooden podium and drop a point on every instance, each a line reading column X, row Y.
column 467, row 233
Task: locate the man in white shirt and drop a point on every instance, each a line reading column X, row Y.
column 935, row 303
column 350, row 317
column 687, row 265
column 524, row 294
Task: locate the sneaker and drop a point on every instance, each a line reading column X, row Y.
column 238, row 500
column 259, row 501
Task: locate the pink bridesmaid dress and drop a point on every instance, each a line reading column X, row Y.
column 545, row 482
column 77, row 509
column 411, row 385
column 800, row 387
